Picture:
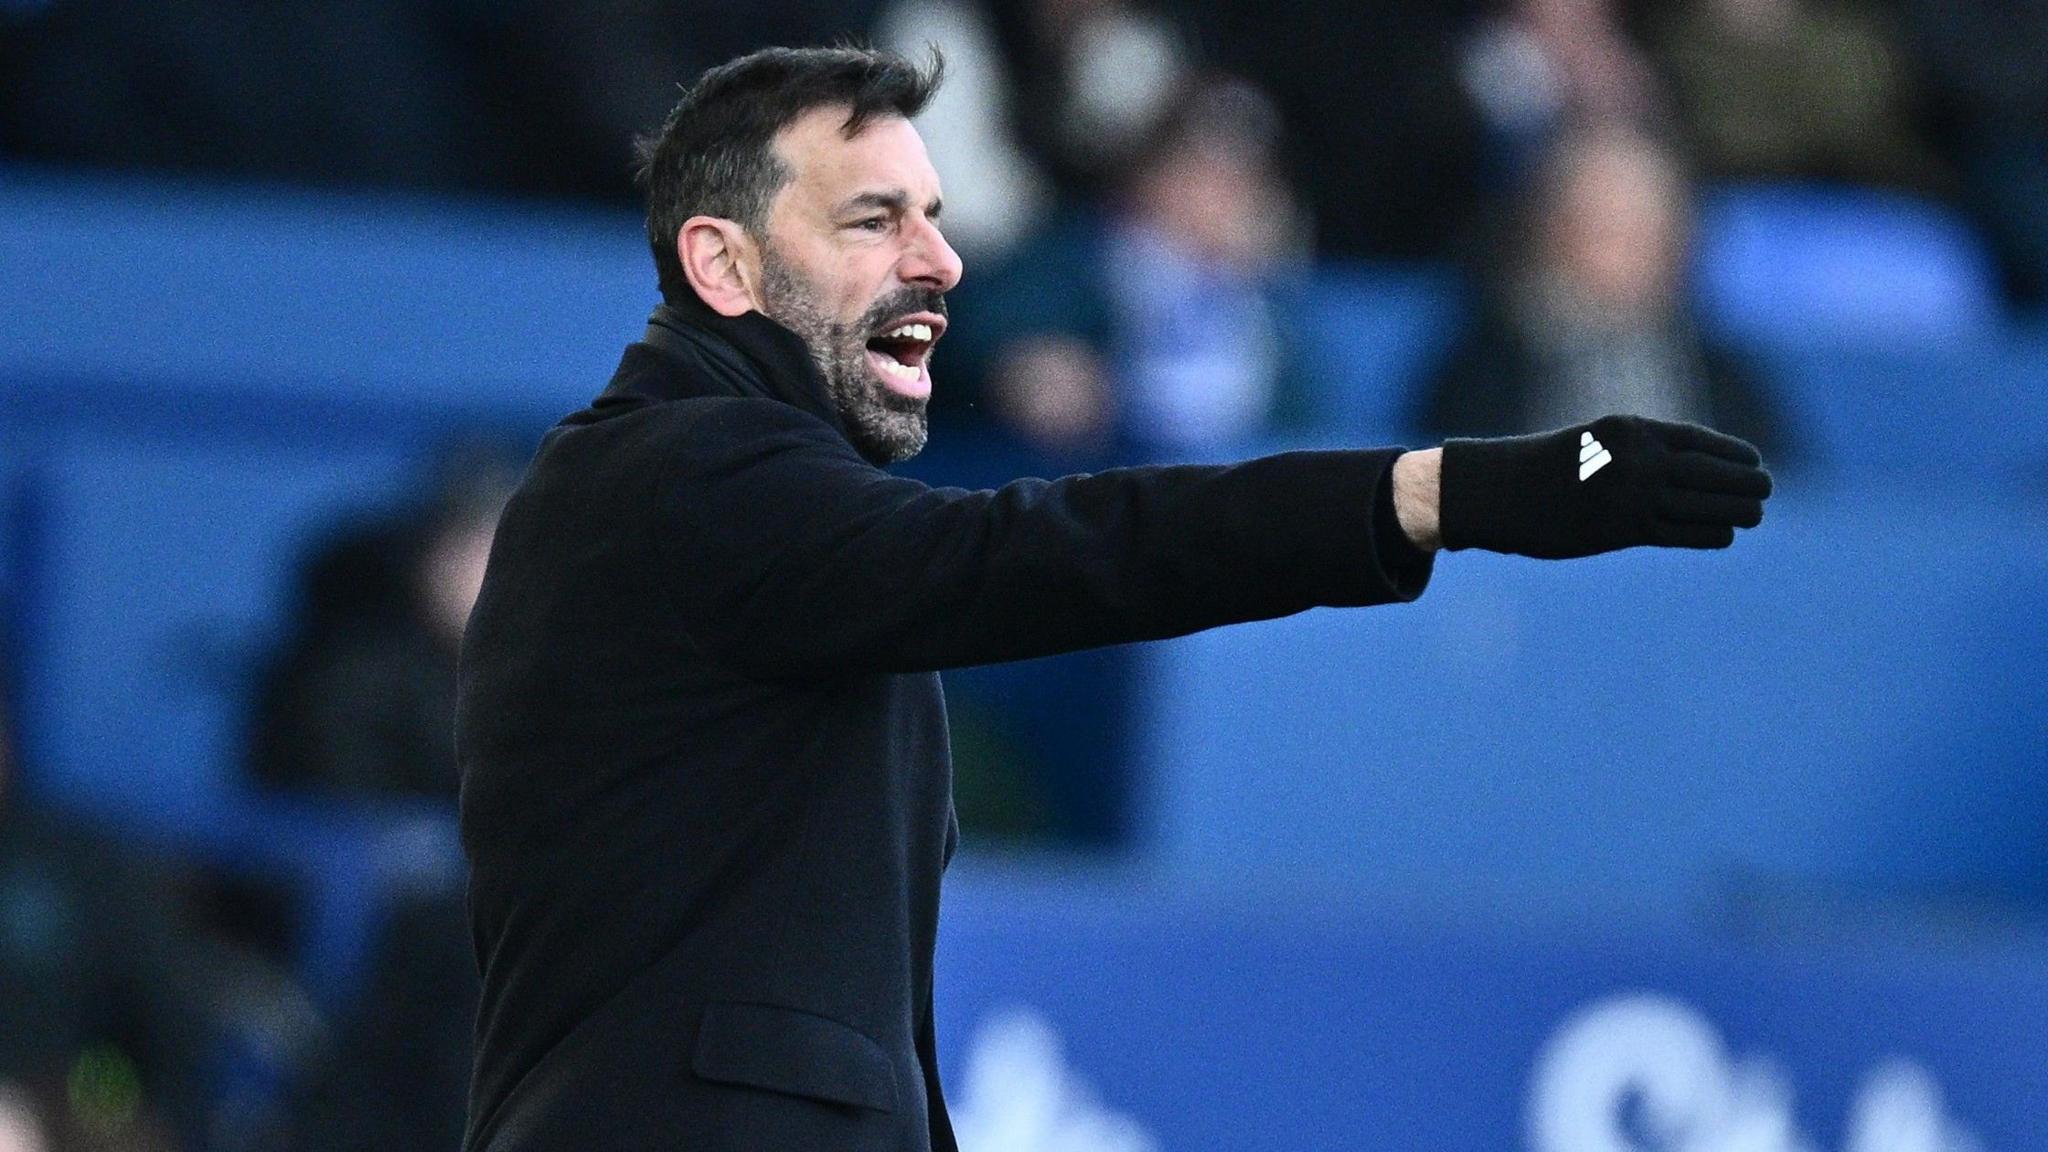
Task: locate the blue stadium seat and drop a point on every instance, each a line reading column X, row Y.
column 1373, row 334
column 287, row 295
column 1963, row 414
column 1785, row 263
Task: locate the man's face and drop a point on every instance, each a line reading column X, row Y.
column 853, row 262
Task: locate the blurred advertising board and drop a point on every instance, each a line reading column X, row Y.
column 1120, row 1018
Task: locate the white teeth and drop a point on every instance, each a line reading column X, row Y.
column 917, row 333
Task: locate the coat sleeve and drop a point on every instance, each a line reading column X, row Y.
column 792, row 558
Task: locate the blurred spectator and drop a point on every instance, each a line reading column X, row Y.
column 1794, row 88
column 362, row 702
column 1093, row 78
column 1208, row 231
column 1158, row 331
column 994, row 194
column 1536, row 67
column 360, row 705
column 543, row 98
column 1988, row 63
column 1384, row 146
column 104, row 1001
column 1585, row 317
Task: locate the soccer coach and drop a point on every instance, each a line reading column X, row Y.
column 706, row 790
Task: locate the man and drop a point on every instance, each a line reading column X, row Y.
column 1584, row 309
column 706, row 793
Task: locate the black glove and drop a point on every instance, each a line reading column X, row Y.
column 1618, row 482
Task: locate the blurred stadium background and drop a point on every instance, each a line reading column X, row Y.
column 1745, row 852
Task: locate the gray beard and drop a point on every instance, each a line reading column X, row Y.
column 884, row 426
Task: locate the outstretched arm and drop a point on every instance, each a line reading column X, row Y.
column 794, row 559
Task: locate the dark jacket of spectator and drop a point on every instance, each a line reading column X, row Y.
column 368, row 714
column 361, row 702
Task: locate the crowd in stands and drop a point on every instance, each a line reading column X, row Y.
column 1405, row 122
column 1139, row 189
column 1555, row 150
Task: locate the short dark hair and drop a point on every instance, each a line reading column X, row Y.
column 715, row 156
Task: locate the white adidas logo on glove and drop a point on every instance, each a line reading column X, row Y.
column 1592, row 457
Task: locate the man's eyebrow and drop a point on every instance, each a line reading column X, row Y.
column 894, row 201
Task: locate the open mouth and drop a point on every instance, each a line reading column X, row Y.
column 901, row 352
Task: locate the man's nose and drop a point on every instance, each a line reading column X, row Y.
column 930, row 260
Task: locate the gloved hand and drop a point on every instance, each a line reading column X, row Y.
column 1618, row 482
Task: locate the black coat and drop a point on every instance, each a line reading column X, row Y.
column 706, row 790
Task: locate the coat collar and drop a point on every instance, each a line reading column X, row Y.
column 689, row 350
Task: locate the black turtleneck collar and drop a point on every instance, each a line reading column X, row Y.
column 759, row 357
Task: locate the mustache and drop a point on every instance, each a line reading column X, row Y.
column 903, row 301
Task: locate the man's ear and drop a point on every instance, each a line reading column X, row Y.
column 721, row 262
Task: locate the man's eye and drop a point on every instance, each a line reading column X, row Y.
column 873, row 224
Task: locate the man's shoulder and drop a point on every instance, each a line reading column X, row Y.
column 658, row 454
column 688, row 432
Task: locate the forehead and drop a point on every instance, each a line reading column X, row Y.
column 826, row 167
